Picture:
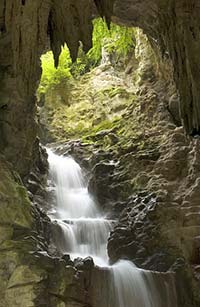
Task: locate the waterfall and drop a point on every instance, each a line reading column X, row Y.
column 84, row 232
column 73, row 199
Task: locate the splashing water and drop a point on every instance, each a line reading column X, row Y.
column 85, row 233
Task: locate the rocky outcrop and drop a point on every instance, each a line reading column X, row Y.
column 172, row 27
column 163, row 222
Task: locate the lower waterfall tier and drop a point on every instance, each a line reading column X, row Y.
column 82, row 231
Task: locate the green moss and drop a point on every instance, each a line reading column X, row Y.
column 113, row 91
column 91, row 109
column 15, row 206
column 24, row 275
column 106, row 125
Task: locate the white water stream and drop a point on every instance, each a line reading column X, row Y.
column 85, row 233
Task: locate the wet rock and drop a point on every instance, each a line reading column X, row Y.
column 67, row 259
column 99, row 184
column 88, row 263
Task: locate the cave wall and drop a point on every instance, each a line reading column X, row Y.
column 172, row 27
column 22, row 38
column 26, row 30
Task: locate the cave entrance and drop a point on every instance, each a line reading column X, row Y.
column 86, row 100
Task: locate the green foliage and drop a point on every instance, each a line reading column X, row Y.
column 100, row 32
column 106, row 124
column 52, row 76
column 114, row 91
column 118, row 41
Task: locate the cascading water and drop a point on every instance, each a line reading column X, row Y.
column 85, row 230
column 85, row 233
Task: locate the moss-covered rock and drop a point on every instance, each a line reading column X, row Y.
column 15, row 206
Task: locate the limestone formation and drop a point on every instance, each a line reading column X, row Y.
column 173, row 28
column 163, row 219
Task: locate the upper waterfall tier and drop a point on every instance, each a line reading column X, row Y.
column 73, row 199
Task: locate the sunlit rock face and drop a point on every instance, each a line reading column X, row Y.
column 173, row 27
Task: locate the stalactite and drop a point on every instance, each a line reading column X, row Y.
column 105, row 9
column 67, row 21
column 71, row 23
column 27, row 24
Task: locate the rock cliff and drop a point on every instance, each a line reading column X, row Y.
column 163, row 162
